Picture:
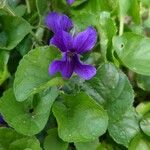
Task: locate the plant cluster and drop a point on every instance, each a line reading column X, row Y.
column 75, row 74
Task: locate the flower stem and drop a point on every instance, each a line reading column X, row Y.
column 28, row 6
column 121, row 26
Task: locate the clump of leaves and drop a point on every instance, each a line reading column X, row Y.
column 104, row 105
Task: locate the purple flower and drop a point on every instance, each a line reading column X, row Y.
column 71, row 48
column 70, row 2
column 58, row 22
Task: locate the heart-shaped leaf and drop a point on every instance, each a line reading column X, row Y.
column 28, row 117
column 111, row 88
column 79, row 118
column 14, row 30
column 134, row 51
column 32, row 74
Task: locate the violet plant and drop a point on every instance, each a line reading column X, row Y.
column 74, row 74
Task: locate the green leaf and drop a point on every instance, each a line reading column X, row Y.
column 134, row 51
column 32, row 73
column 143, row 82
column 7, row 136
column 140, row 142
column 26, row 144
column 52, row 141
column 94, row 145
column 145, row 124
column 79, row 118
column 4, row 74
column 112, row 88
column 107, row 29
column 30, row 116
column 20, row 10
column 14, row 30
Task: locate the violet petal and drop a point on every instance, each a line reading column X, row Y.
column 65, row 67
column 56, row 22
column 55, row 67
column 62, row 40
column 70, row 2
column 85, row 41
column 83, row 70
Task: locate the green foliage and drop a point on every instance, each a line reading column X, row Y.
column 111, row 111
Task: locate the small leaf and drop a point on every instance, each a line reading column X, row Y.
column 107, row 29
column 26, row 144
column 52, row 141
column 79, row 118
column 28, row 117
column 145, row 124
column 134, row 52
column 32, row 73
column 140, row 142
column 14, row 29
column 20, row 10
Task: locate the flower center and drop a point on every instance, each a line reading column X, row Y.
column 70, row 55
